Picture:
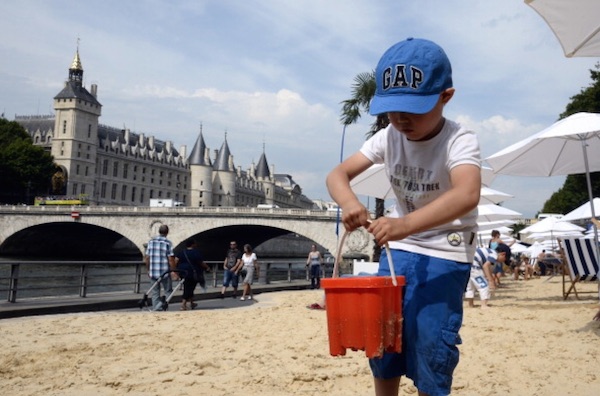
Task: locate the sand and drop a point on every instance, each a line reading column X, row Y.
column 529, row 342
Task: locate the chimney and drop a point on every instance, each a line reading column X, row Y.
column 94, row 90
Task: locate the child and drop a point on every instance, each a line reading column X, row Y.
column 433, row 165
column 478, row 280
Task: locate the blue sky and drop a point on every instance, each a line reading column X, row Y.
column 273, row 73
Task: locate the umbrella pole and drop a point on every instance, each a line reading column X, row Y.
column 588, row 180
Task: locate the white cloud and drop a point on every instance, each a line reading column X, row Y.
column 274, row 73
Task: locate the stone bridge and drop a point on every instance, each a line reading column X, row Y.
column 99, row 231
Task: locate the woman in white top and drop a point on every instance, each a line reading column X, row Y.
column 250, row 263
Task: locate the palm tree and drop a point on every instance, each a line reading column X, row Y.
column 363, row 90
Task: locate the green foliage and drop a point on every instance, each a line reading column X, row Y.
column 574, row 191
column 25, row 169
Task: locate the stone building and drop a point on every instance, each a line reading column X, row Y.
column 112, row 166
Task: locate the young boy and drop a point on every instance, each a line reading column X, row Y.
column 433, row 165
column 478, row 279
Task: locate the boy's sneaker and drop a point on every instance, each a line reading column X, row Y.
column 249, row 297
column 243, row 298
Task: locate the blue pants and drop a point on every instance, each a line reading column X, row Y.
column 315, row 276
column 432, row 310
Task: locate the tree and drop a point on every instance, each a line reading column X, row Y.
column 363, row 90
column 25, row 169
column 574, row 191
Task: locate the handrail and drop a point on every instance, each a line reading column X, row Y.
column 17, row 277
column 180, row 210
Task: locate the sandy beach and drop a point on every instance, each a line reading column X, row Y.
column 529, row 342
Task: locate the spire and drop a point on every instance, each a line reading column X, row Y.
column 262, row 168
column 222, row 160
column 76, row 70
column 197, row 156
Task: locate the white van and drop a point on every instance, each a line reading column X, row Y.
column 266, row 206
column 542, row 216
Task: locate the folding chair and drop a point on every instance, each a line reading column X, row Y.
column 582, row 264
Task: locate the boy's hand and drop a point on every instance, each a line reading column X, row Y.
column 386, row 229
column 355, row 216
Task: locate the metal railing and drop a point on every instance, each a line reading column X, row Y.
column 26, row 279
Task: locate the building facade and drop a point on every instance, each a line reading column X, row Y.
column 112, row 166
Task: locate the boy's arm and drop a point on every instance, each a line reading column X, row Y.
column 354, row 213
column 462, row 197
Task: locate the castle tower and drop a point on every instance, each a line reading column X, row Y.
column 75, row 140
column 224, row 177
column 201, row 174
column 264, row 175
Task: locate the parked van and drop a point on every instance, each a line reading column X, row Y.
column 266, row 206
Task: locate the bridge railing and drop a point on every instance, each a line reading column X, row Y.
column 181, row 210
column 29, row 279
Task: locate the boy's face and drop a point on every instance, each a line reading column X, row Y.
column 422, row 126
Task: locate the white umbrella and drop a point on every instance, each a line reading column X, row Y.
column 374, row 182
column 583, row 212
column 490, row 212
column 518, row 248
column 491, row 196
column 552, row 225
column 561, row 149
column 487, row 176
column 575, row 24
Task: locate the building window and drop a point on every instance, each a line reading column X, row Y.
column 142, row 193
column 87, row 169
column 74, row 189
column 103, row 190
column 123, row 193
column 83, row 188
column 89, row 130
column 77, row 169
column 132, row 194
column 115, row 169
column 105, row 167
column 125, row 169
column 64, row 127
column 113, row 192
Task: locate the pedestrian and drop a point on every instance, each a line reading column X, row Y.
column 250, row 264
column 314, row 260
column 192, row 266
column 433, row 165
column 160, row 258
column 231, row 267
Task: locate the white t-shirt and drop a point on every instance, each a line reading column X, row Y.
column 249, row 260
column 419, row 172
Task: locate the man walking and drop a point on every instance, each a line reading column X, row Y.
column 159, row 259
column 231, row 266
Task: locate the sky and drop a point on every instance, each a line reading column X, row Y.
column 270, row 75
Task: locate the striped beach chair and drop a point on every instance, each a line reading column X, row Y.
column 582, row 264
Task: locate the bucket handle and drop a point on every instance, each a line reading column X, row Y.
column 339, row 257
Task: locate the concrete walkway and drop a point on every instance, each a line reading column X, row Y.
column 128, row 300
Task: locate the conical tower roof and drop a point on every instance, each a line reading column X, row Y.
column 222, row 160
column 262, row 168
column 197, row 156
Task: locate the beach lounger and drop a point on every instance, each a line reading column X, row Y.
column 581, row 262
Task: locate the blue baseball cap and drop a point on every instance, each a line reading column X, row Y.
column 410, row 77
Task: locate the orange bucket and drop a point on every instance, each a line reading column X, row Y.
column 364, row 313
